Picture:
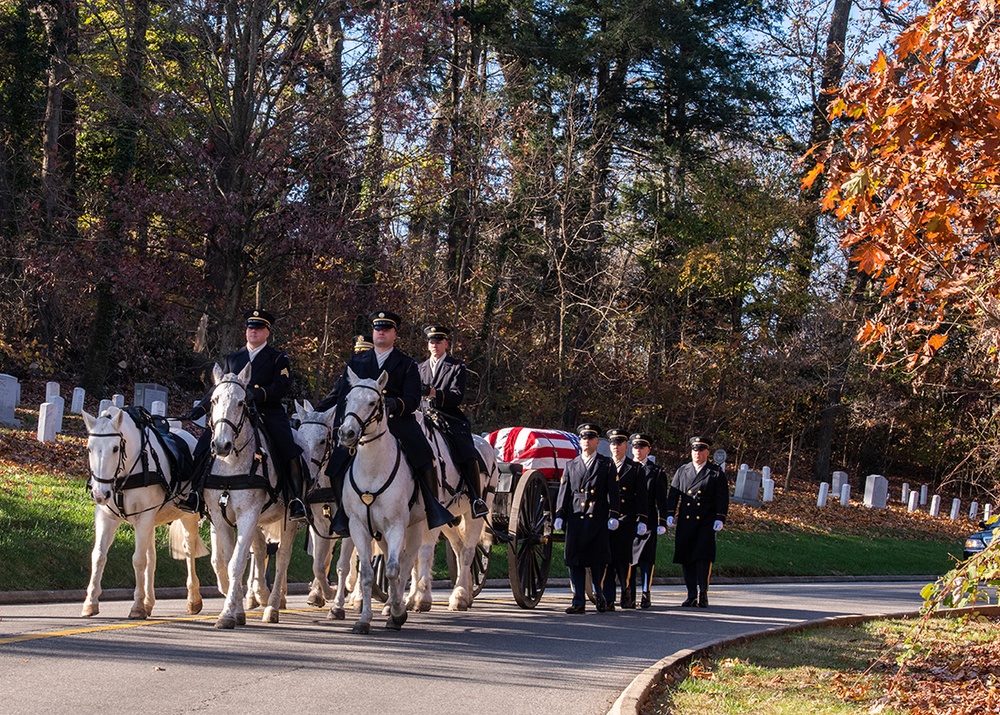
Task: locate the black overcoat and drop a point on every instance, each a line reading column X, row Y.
column 584, row 503
column 699, row 498
column 271, row 378
column 629, row 510
column 403, row 387
column 644, row 550
column 449, row 392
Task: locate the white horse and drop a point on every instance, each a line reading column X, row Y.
column 315, row 435
column 129, row 481
column 241, row 494
column 462, row 538
column 377, row 491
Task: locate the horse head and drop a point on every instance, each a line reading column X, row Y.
column 363, row 407
column 108, row 437
column 315, row 434
column 229, row 410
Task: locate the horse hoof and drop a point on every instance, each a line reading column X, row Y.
column 315, row 600
column 241, row 619
column 89, row 611
column 250, row 603
column 270, row 615
column 395, row 623
column 194, row 608
column 362, row 628
column 423, row 606
column 137, row 614
column 228, row 623
column 336, row 614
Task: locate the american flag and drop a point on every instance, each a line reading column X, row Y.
column 546, row 450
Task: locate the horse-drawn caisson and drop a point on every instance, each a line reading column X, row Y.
column 241, row 495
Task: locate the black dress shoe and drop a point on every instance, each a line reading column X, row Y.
column 602, row 605
column 191, row 503
column 690, row 602
column 296, row 510
column 611, row 608
column 575, row 609
column 703, row 601
column 645, row 602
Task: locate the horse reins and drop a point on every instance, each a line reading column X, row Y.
column 119, row 482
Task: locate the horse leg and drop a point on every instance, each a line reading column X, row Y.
column 319, row 590
column 105, row 525
column 222, row 539
column 423, row 570
column 402, row 551
column 464, row 546
column 354, row 580
column 363, row 543
column 344, row 564
column 144, row 539
column 247, row 530
column 281, row 561
column 188, row 524
column 257, row 573
column 150, row 600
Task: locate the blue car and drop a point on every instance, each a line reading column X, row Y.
column 981, row 539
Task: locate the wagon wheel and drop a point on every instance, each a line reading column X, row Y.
column 380, row 584
column 480, row 565
column 530, row 553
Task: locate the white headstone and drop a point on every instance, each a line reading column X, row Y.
column 765, row 473
column 905, row 495
column 118, row 401
column 747, row 488
column 768, row 489
column 159, row 408
column 839, row 480
column 913, row 503
column 78, row 396
column 876, row 491
column 973, row 510
column 105, row 404
column 51, row 390
column 17, row 400
column 845, row 494
column 987, row 512
column 935, row 506
column 9, row 388
column 956, row 507
column 59, row 405
column 923, row 494
column 824, row 492
column 47, row 422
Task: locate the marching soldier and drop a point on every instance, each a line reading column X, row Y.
column 586, row 491
column 402, row 396
column 644, row 550
column 270, row 380
column 442, row 379
column 628, row 519
column 699, row 495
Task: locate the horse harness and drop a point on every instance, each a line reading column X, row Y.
column 322, row 495
column 252, row 479
column 125, row 479
column 368, row 498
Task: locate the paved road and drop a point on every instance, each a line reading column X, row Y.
column 496, row 658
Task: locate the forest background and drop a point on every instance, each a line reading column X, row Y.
column 604, row 199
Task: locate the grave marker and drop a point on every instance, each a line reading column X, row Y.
column 9, row 389
column 914, row 500
column 747, row 488
column 956, row 507
column 876, row 491
column 105, row 404
column 78, row 396
column 845, row 494
column 824, row 492
column 118, row 401
column 935, row 506
column 47, row 422
column 51, row 390
column 973, row 510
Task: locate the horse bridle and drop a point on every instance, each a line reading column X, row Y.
column 376, row 416
column 235, row 427
column 122, row 474
column 329, row 441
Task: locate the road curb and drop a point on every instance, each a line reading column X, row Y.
column 639, row 690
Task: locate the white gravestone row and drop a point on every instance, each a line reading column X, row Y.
column 10, row 390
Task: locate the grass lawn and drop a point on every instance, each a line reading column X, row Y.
column 843, row 671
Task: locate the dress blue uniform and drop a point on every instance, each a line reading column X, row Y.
column 644, row 551
column 630, row 510
column 586, row 492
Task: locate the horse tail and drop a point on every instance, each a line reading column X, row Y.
column 178, row 542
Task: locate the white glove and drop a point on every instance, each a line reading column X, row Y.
column 612, row 523
column 670, row 521
column 641, row 529
column 661, row 530
column 717, row 525
column 558, row 524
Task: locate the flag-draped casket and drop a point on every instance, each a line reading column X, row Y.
column 546, row 450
